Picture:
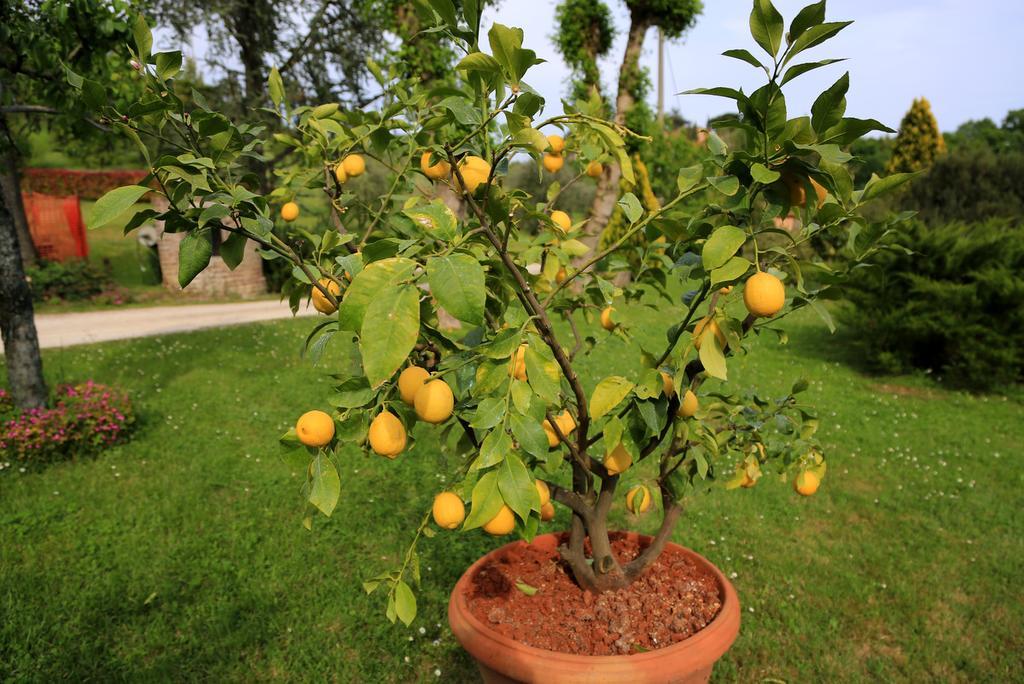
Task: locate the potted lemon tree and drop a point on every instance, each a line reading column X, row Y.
column 524, row 427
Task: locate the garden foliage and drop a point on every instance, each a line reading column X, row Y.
column 952, row 304
column 919, row 142
column 73, row 280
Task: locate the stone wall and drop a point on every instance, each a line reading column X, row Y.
column 217, row 280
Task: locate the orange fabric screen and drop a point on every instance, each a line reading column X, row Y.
column 56, row 226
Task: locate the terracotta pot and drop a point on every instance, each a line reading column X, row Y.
column 503, row 661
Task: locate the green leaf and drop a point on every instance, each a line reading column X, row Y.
column 522, row 396
column 744, row 56
column 608, row 394
column 232, row 250
column 631, row 207
column 850, row 129
column 506, row 46
column 488, row 413
column 479, row 61
column 816, row 35
column 712, row 356
column 325, row 485
column 530, row 434
column 733, row 269
column 721, row 246
column 727, row 185
column 457, row 282
column 689, row 176
column 115, row 203
column 93, row 94
column 486, row 501
column 829, row 107
column 543, row 375
column 766, row 26
column 516, row 486
column 436, row 219
column 809, row 16
column 526, row 588
column 762, row 174
column 389, row 332
column 496, row 445
column 275, row 87
column 194, row 254
column 876, row 187
column 168, row 64
column 799, row 69
column 143, row 37
column 720, row 91
column 367, row 284
column 823, row 313
column 405, row 603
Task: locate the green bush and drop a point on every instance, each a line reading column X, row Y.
column 970, row 185
column 955, row 306
column 69, row 280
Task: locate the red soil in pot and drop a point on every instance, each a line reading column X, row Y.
column 670, row 602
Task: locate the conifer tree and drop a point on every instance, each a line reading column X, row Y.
column 919, row 141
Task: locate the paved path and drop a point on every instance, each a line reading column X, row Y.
column 67, row 329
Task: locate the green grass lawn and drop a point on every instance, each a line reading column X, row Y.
column 181, row 555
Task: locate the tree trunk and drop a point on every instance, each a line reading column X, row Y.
column 17, row 322
column 608, row 184
column 10, row 184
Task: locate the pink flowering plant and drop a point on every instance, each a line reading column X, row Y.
column 84, row 419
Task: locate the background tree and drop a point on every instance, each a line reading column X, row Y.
column 585, row 34
column 919, row 141
column 37, row 38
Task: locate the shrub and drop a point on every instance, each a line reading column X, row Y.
column 970, row 185
column 955, row 306
column 919, row 142
column 85, row 419
column 68, row 280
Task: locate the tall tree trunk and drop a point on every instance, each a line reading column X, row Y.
column 608, row 184
column 17, row 321
column 10, row 185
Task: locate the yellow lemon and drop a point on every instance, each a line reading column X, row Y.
column 668, row 386
column 448, row 510
column 806, row 483
column 517, row 367
column 553, row 162
column 315, row 429
column 542, row 491
column 547, row 511
column 503, row 523
column 320, row 302
column 340, row 173
column 354, row 165
column 712, row 325
column 556, row 143
column 618, row 461
column 387, row 434
column 595, row 169
column 434, row 401
column 434, row 171
column 638, row 499
column 606, row 318
column 475, row 172
column 290, row 211
column 764, row 294
column 561, row 219
column 688, row 406
column 409, row 382
column 561, row 275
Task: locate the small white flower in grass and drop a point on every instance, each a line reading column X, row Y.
column 406, row 658
column 437, row 673
column 423, row 630
column 750, row 609
column 733, row 575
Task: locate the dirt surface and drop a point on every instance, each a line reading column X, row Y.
column 673, row 600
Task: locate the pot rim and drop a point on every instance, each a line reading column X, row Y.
column 726, row 620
